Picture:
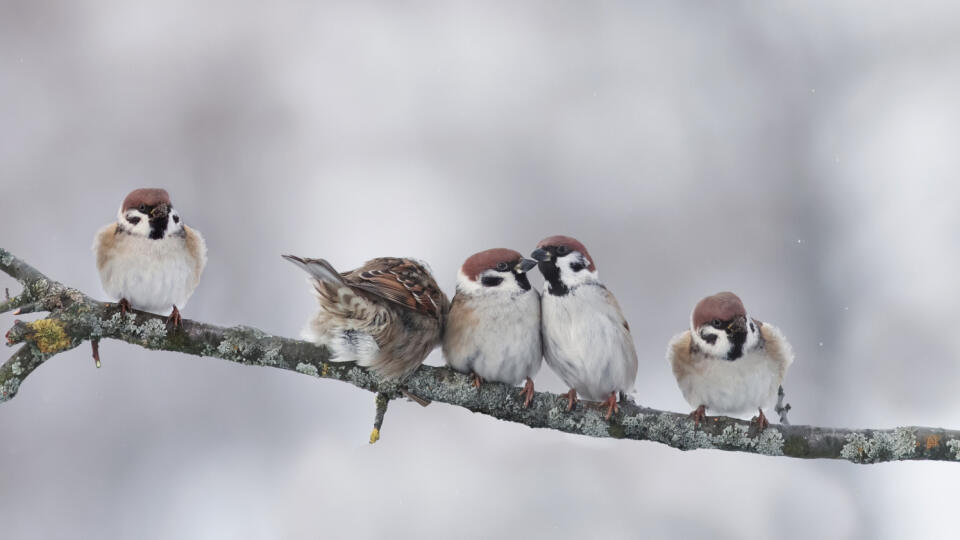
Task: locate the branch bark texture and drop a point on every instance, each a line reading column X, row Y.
column 74, row 318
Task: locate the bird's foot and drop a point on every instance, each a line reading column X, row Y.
column 611, row 405
column 571, row 399
column 175, row 319
column 124, row 306
column 699, row 415
column 760, row 421
column 476, row 380
column 527, row 393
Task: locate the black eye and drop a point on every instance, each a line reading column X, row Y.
column 716, row 322
column 176, row 219
column 133, row 220
column 576, row 267
column 491, row 281
column 562, row 250
column 502, row 267
column 142, row 208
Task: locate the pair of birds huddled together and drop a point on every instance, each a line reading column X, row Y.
column 389, row 314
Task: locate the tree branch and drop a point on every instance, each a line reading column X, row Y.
column 75, row 317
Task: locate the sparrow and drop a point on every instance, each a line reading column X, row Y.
column 586, row 339
column 729, row 362
column 387, row 315
column 493, row 328
column 149, row 259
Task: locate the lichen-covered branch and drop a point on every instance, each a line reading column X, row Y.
column 75, row 317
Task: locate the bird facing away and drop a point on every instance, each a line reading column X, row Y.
column 148, row 259
column 493, row 329
column 387, row 315
column 728, row 362
column 586, row 339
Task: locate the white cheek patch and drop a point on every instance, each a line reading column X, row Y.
column 720, row 347
column 510, row 284
column 141, row 228
column 467, row 285
column 174, row 226
column 753, row 335
column 572, row 278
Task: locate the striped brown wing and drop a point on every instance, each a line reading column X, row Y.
column 403, row 281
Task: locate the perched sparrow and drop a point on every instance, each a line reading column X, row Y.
column 586, row 340
column 728, row 362
column 149, row 259
column 493, row 329
column 388, row 314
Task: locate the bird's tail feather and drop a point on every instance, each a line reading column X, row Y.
column 319, row 269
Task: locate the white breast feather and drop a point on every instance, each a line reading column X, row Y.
column 586, row 343
column 505, row 346
column 736, row 387
column 153, row 275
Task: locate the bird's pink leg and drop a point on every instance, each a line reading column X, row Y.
column 124, row 306
column 760, row 420
column 699, row 415
column 611, row 404
column 476, row 380
column 175, row 318
column 571, row 399
column 527, row 393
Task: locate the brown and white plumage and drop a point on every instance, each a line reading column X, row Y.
column 727, row 362
column 586, row 339
column 148, row 257
column 493, row 329
column 387, row 314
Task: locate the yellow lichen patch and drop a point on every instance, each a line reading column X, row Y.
column 323, row 373
column 374, row 435
column 48, row 335
column 933, row 441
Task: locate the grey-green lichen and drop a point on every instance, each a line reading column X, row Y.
column 16, row 369
column 308, row 369
column 39, row 288
column 249, row 346
column 6, row 258
column 271, row 355
column 77, row 298
column 680, row 432
column 152, row 333
column 590, row 423
column 9, row 389
column 954, row 446
column 769, row 443
column 118, row 323
column 881, row 446
column 677, row 432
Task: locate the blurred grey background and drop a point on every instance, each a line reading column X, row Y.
column 802, row 154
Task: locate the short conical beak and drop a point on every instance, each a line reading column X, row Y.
column 541, row 255
column 525, row 266
column 738, row 325
column 159, row 211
